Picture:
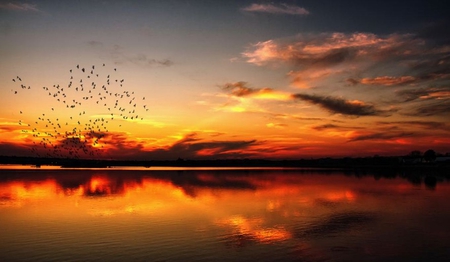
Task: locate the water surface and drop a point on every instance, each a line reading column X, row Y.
column 222, row 215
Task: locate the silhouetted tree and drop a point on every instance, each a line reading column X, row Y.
column 429, row 155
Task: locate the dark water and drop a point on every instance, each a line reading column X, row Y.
column 222, row 215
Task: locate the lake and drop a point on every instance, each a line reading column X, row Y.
column 164, row 214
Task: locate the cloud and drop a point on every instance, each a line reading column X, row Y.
column 380, row 136
column 119, row 55
column 317, row 57
column 433, row 109
column 436, row 67
column 306, row 78
column 11, row 149
column 120, row 146
column 193, row 147
column 296, row 117
column 439, row 72
column 23, row 7
column 241, row 89
column 325, row 127
column 336, row 105
column 384, row 80
column 438, row 93
column 326, row 49
column 274, row 9
column 433, row 125
column 94, row 43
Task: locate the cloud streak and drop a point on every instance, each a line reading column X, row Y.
column 241, row 89
column 432, row 125
column 438, row 93
column 384, row 80
column 336, row 105
column 276, row 9
column 119, row 55
column 380, row 136
column 22, row 7
column 327, row 49
column 319, row 56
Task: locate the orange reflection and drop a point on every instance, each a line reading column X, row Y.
column 99, row 185
column 254, row 229
column 251, row 208
column 17, row 193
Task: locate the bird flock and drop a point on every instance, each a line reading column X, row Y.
column 68, row 129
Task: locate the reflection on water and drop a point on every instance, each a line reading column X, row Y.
column 210, row 215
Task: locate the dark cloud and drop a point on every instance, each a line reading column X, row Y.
column 325, row 126
column 330, row 58
column 10, row 149
column 95, row 44
column 238, row 88
column 241, row 89
column 380, row 136
column 428, row 93
column 352, row 81
column 418, row 58
column 337, row 105
column 436, row 68
column 333, row 126
column 192, row 147
column 432, row 109
column 433, row 125
column 118, row 146
column 189, row 147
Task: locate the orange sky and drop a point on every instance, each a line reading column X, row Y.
column 175, row 84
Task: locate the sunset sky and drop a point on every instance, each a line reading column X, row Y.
column 224, row 79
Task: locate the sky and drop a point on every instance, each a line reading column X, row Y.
column 154, row 80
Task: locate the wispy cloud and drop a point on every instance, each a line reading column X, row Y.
column 119, row 55
column 23, row 7
column 431, row 109
column 438, row 93
column 276, row 9
column 433, row 125
column 326, row 49
column 384, row 80
column 380, row 136
column 313, row 57
column 334, row 127
column 241, row 89
column 336, row 105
